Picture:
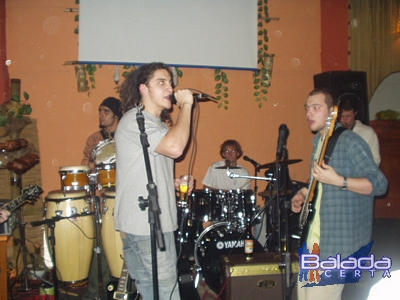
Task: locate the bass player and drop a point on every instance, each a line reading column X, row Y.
column 345, row 192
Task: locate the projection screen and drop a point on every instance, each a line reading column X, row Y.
column 188, row 33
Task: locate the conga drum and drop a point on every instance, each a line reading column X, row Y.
column 74, row 234
column 111, row 238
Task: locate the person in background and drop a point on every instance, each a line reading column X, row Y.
column 4, row 214
column 146, row 94
column 109, row 115
column 345, row 199
column 216, row 176
column 347, row 118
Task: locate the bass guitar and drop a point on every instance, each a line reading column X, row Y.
column 308, row 210
column 29, row 194
column 122, row 290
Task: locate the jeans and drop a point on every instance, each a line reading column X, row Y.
column 137, row 255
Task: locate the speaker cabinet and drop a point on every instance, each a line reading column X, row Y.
column 349, row 85
column 260, row 278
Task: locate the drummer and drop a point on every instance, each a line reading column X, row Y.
column 216, row 176
column 109, row 116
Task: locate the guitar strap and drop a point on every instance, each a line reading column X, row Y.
column 332, row 143
column 106, row 135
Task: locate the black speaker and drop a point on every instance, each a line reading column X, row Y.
column 347, row 85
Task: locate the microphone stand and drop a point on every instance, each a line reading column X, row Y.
column 156, row 236
column 284, row 254
column 98, row 240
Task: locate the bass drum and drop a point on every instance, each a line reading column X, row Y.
column 211, row 245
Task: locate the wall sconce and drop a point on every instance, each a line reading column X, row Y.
column 81, row 78
column 268, row 66
column 117, row 77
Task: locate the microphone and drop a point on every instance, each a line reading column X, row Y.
column 246, row 158
column 283, row 134
column 196, row 96
column 227, row 163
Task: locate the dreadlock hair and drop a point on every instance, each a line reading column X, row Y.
column 129, row 92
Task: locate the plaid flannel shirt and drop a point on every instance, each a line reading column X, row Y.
column 346, row 217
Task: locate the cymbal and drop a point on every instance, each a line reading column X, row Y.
column 273, row 164
column 268, row 193
column 225, row 167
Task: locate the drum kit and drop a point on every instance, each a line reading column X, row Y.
column 214, row 221
column 84, row 220
column 212, row 224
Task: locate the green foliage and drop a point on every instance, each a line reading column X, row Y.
column 15, row 108
column 260, row 77
column 91, row 69
column 221, row 88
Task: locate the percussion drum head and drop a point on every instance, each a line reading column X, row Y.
column 74, row 169
column 104, row 152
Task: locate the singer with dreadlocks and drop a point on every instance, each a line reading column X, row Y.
column 149, row 89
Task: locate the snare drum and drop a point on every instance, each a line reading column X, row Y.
column 75, row 178
column 111, row 238
column 74, row 236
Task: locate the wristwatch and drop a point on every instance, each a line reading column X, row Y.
column 344, row 185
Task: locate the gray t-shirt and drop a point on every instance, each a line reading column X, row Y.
column 218, row 178
column 132, row 177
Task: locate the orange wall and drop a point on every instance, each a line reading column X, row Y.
column 40, row 39
column 334, row 35
column 4, row 79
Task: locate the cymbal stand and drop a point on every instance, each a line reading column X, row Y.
column 25, row 251
column 97, row 235
column 284, row 252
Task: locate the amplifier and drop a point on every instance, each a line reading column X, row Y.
column 259, row 278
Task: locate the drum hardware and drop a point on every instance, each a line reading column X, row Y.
column 283, row 234
column 280, row 163
column 25, row 251
column 97, row 224
column 225, row 167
